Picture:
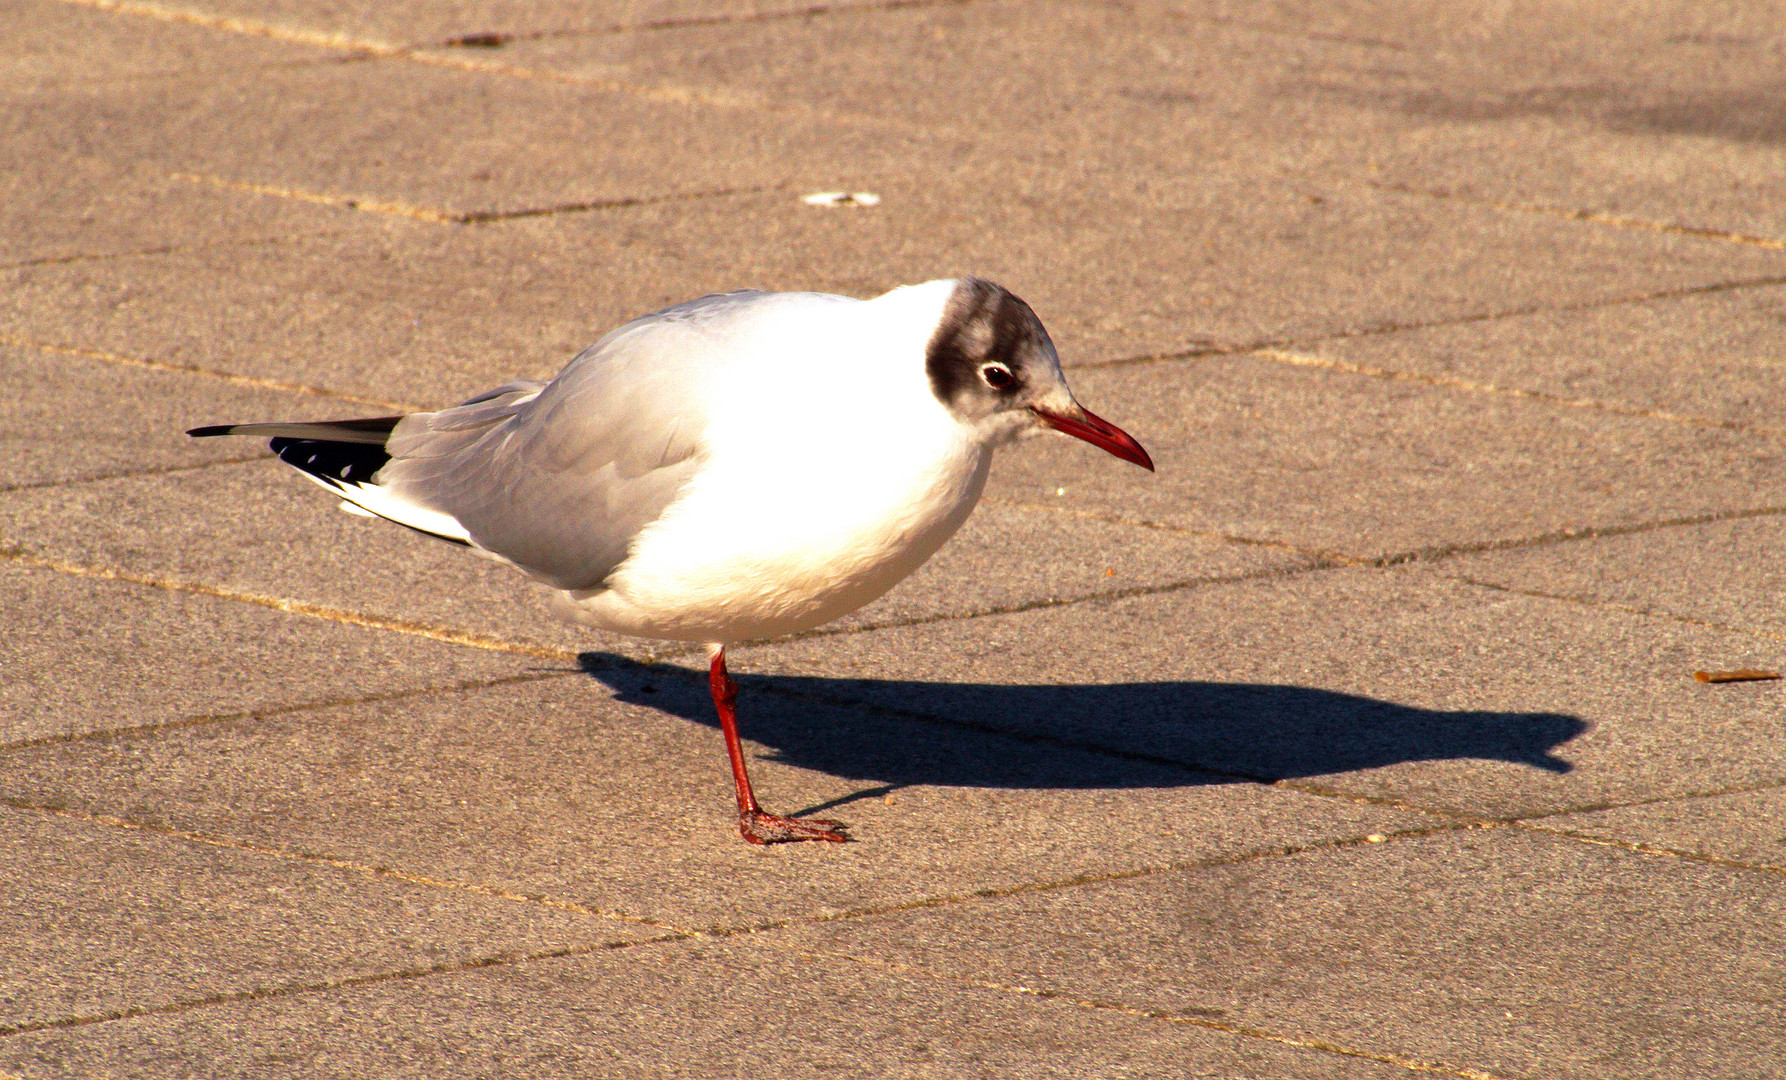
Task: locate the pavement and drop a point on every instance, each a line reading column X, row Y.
column 1361, row 741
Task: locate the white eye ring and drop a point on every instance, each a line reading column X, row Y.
column 998, row 376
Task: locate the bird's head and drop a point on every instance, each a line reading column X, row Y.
column 991, row 363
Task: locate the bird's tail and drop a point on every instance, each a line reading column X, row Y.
column 335, row 453
column 344, row 456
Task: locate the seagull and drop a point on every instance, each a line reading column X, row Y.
column 745, row 465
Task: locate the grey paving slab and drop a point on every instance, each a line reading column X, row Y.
column 72, row 208
column 1747, row 827
column 446, row 140
column 1471, row 194
column 1697, row 146
column 52, row 44
column 1334, row 462
column 1577, row 107
column 1670, row 117
column 1718, row 357
column 613, row 792
column 260, row 528
column 103, row 920
column 1717, row 571
column 61, row 198
column 1717, row 179
column 1478, row 103
column 1401, row 685
column 708, row 1009
column 1510, row 955
column 71, row 417
column 85, row 654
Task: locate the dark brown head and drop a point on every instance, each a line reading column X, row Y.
column 991, row 363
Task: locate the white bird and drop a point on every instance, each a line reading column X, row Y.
column 741, row 466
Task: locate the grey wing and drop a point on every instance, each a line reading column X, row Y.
column 559, row 479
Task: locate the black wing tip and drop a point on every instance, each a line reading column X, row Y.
column 211, row 430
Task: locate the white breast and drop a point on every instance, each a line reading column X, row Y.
column 831, row 472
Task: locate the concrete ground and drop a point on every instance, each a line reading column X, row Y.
column 1361, row 741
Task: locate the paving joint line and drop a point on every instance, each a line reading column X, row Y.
column 1596, row 217
column 439, row 216
column 266, row 712
column 1638, row 847
column 1453, row 382
column 1612, row 605
column 1771, row 784
column 1109, row 518
column 230, row 843
column 295, row 989
column 127, row 474
column 1304, row 341
column 169, row 368
column 290, row 35
column 1324, row 559
column 1050, row 602
column 1203, row 1018
column 180, row 75
column 431, row 631
column 167, row 249
column 445, row 55
column 1566, row 535
column 455, row 55
column 497, row 39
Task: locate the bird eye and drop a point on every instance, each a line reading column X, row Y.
column 998, row 376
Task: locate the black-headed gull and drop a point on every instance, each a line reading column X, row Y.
column 741, row 466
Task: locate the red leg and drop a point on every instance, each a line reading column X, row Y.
column 754, row 823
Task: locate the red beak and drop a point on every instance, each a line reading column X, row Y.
column 1099, row 432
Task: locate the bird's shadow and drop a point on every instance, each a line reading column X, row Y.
column 1114, row 735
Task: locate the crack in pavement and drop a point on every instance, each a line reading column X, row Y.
column 1304, row 341
column 1637, row 847
column 497, row 39
column 336, row 862
column 166, row 249
column 1204, row 1018
column 1593, row 216
column 264, row 712
column 126, row 474
column 439, row 216
column 1453, row 382
column 165, row 367
column 432, row 631
column 293, row 989
column 455, row 55
column 1613, row 605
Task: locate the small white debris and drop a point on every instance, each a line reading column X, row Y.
column 1060, row 491
column 1375, row 838
column 841, row 198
